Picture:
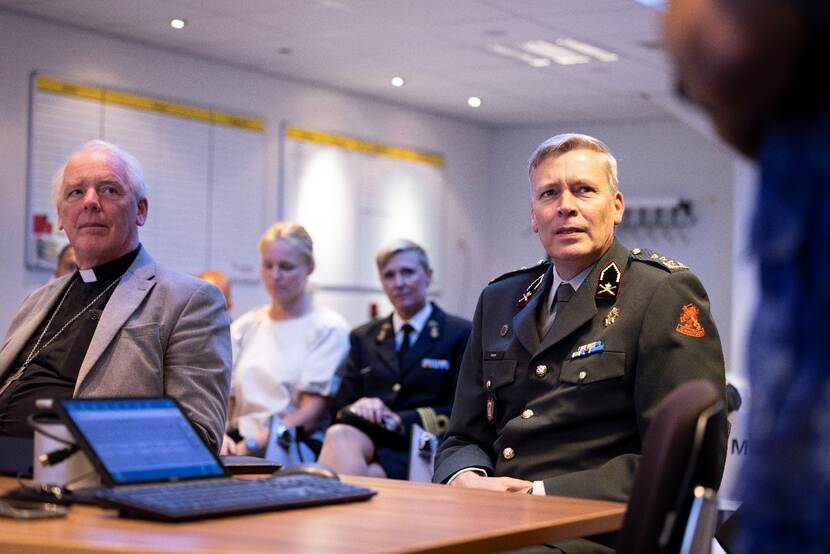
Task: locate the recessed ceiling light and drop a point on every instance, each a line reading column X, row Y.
column 398, row 82
column 474, row 101
column 588, row 49
column 558, row 54
column 563, row 51
column 657, row 4
column 530, row 59
column 178, row 23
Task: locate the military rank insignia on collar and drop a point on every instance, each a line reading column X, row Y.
column 608, row 283
column 383, row 331
column 434, row 331
column 530, row 291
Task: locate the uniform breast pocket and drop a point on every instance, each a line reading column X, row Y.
column 594, row 369
column 498, row 374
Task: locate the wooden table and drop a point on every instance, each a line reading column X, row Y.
column 402, row 517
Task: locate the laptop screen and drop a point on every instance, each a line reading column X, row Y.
column 142, row 439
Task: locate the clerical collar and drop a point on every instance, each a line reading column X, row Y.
column 110, row 270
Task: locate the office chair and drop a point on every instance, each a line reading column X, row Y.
column 679, row 454
column 703, row 521
column 422, row 448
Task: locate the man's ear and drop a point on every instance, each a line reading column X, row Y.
column 619, row 207
column 141, row 213
column 533, row 224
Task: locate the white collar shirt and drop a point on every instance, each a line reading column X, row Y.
column 417, row 321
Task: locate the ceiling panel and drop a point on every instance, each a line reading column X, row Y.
column 439, row 46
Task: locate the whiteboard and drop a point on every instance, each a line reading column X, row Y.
column 205, row 172
column 355, row 196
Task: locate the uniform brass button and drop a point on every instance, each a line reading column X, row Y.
column 541, row 370
column 508, row 453
column 504, row 329
column 489, row 384
column 396, row 387
column 527, row 414
column 582, row 375
column 636, row 251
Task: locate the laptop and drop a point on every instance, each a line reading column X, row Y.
column 155, row 465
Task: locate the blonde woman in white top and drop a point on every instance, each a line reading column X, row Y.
column 285, row 353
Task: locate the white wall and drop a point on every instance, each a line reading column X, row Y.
column 29, row 44
column 656, row 158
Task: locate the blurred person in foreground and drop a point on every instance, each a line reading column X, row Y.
column 286, row 352
column 758, row 69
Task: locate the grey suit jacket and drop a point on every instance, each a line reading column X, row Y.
column 162, row 333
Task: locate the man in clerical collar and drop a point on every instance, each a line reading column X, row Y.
column 401, row 370
column 569, row 358
column 121, row 325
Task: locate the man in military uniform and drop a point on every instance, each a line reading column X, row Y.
column 401, row 370
column 569, row 359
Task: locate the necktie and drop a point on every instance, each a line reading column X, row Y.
column 563, row 295
column 404, row 348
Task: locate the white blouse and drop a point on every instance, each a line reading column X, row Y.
column 274, row 361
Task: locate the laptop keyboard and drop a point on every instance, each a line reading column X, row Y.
column 220, row 497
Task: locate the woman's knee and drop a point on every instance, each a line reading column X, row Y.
column 340, row 434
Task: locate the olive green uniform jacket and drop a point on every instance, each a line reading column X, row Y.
column 576, row 420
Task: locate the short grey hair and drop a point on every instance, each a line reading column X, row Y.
column 294, row 233
column 131, row 167
column 396, row 247
column 566, row 142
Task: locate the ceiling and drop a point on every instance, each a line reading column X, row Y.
column 438, row 46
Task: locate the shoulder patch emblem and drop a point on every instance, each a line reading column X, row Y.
column 659, row 260
column 688, row 323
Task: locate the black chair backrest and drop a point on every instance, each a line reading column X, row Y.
column 680, row 451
